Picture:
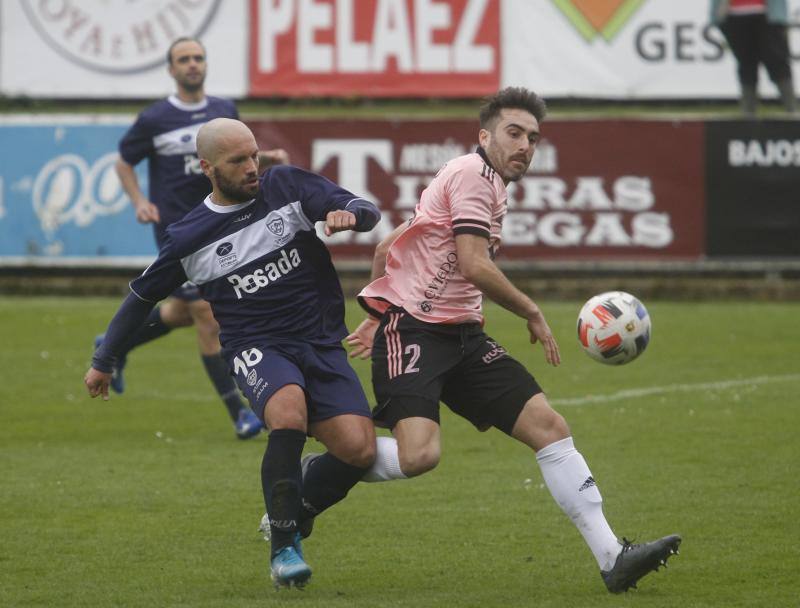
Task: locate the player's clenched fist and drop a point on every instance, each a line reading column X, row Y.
column 337, row 221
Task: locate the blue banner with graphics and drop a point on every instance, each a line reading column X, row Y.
column 60, row 197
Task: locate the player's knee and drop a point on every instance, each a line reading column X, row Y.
column 539, row 424
column 360, row 454
column 419, row 460
column 207, row 325
column 555, row 425
column 286, row 409
column 175, row 313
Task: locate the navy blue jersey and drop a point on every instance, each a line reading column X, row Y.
column 260, row 264
column 165, row 134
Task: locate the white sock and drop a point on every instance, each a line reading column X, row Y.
column 387, row 462
column 571, row 483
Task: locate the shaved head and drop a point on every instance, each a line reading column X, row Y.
column 229, row 158
column 220, row 136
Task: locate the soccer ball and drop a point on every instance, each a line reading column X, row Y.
column 614, row 328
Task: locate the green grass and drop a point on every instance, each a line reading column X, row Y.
column 148, row 500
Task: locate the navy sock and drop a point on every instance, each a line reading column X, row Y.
column 326, row 482
column 223, row 382
column 152, row 328
column 282, row 483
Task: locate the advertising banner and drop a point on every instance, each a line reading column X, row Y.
column 609, row 49
column 396, row 48
column 753, row 172
column 624, row 49
column 116, row 48
column 598, row 190
column 60, row 198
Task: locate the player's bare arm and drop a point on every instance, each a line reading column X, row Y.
column 382, row 251
column 478, row 268
column 361, row 339
column 146, row 212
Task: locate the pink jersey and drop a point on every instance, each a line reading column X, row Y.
column 422, row 274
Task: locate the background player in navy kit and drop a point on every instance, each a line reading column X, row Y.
column 164, row 134
column 253, row 253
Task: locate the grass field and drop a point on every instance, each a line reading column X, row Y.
column 149, row 500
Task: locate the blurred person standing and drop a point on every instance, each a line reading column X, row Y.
column 756, row 31
column 165, row 134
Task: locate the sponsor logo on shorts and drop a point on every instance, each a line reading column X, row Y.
column 261, row 277
column 496, row 352
column 252, row 378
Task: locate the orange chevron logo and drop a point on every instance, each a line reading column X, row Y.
column 594, row 18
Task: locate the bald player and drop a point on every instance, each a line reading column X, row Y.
column 252, row 250
column 164, row 134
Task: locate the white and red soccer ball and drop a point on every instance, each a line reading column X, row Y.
column 614, row 327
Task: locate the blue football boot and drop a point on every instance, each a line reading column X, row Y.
column 287, row 568
column 247, row 425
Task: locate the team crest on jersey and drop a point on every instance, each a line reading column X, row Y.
column 226, row 256
column 276, row 226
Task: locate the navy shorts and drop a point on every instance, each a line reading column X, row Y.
column 323, row 372
column 416, row 364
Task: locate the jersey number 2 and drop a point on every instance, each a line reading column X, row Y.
column 415, row 351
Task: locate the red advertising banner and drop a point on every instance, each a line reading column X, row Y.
column 597, row 190
column 377, row 48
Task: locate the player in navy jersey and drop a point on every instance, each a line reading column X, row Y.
column 164, row 133
column 252, row 250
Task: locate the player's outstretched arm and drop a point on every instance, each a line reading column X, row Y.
column 479, row 269
column 129, row 317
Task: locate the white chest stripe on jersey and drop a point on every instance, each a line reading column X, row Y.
column 240, row 248
column 179, row 141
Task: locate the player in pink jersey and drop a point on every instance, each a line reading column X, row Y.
column 425, row 334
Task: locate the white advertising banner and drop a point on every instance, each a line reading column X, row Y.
column 620, row 49
column 116, row 48
column 607, row 49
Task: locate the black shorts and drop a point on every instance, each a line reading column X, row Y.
column 415, row 365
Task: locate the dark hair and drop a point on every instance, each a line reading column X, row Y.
column 177, row 41
column 517, row 98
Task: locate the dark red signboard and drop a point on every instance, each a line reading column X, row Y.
column 621, row 190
